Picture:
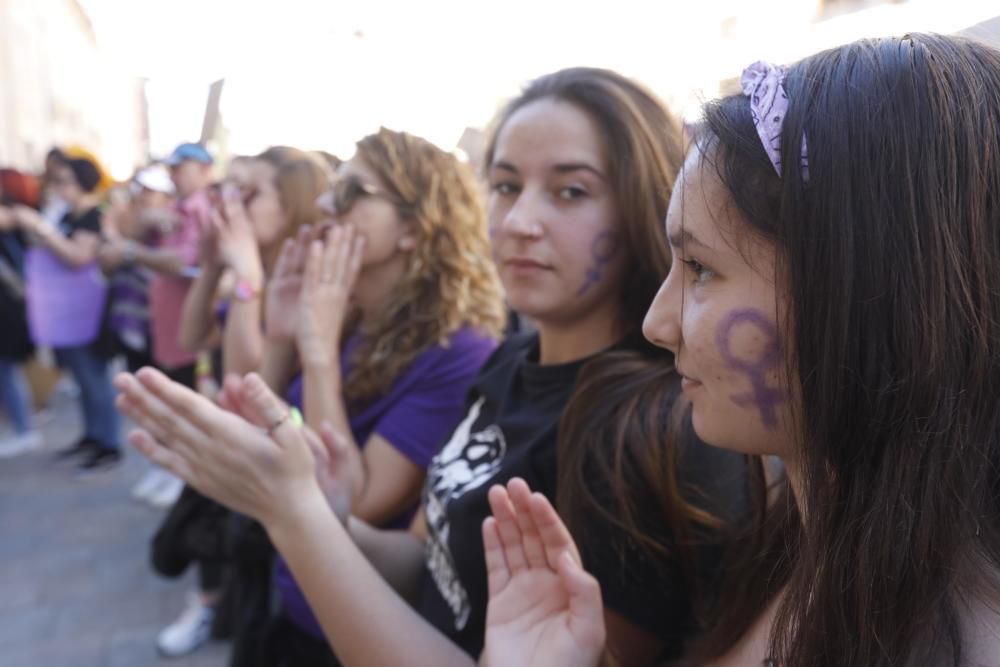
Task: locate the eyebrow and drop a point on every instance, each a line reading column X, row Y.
column 563, row 168
column 682, row 237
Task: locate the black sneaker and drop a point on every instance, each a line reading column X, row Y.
column 100, row 459
column 83, row 447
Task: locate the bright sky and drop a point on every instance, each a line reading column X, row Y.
column 323, row 73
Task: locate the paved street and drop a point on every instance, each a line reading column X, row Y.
column 75, row 584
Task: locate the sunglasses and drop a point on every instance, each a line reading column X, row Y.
column 345, row 192
column 247, row 194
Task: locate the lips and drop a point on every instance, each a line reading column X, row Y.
column 525, row 263
column 687, row 382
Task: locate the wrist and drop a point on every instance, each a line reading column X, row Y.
column 249, row 270
column 297, row 517
column 246, row 290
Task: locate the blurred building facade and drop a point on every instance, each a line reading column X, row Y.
column 57, row 88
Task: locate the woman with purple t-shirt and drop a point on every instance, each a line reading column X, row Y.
column 376, row 324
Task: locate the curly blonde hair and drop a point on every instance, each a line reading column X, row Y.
column 450, row 281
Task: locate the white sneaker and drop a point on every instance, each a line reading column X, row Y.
column 191, row 630
column 16, row 445
column 167, row 491
column 148, row 484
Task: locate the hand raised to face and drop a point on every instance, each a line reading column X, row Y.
column 332, row 268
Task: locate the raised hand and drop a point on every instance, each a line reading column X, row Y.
column 284, row 288
column 237, row 244
column 330, row 274
column 209, row 254
column 266, row 472
column 329, row 448
column 544, row 609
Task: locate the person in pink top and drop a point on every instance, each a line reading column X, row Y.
column 191, row 171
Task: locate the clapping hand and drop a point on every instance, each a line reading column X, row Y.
column 544, row 609
column 264, row 467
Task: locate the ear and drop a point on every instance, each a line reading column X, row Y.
column 406, row 242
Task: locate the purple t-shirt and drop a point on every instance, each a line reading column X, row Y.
column 419, row 411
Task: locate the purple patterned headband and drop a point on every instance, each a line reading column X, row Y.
column 764, row 83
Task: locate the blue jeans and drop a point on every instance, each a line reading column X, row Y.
column 97, row 396
column 16, row 396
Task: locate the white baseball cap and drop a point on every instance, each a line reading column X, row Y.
column 156, row 178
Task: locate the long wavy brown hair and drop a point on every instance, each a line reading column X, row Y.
column 450, row 281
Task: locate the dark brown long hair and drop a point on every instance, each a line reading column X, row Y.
column 621, row 434
column 890, row 250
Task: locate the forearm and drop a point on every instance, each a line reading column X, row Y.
column 161, row 261
column 73, row 252
column 353, row 603
column 198, row 325
column 243, row 340
column 398, row 555
column 323, row 401
column 278, row 365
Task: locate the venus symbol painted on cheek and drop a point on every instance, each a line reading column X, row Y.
column 766, row 399
column 602, row 250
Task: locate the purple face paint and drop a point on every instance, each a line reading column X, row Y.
column 603, row 249
column 764, row 398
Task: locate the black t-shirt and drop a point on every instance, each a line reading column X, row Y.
column 656, row 592
column 510, row 430
column 89, row 221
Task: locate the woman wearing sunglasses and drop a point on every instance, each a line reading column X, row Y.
column 578, row 172
column 377, row 322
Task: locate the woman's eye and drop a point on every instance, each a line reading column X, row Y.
column 503, row 188
column 570, row 193
column 700, row 271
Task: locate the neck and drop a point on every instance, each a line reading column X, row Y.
column 563, row 342
column 375, row 285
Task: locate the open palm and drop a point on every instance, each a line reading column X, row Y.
column 544, row 609
column 284, row 288
column 332, row 268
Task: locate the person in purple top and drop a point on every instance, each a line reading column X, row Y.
column 376, row 321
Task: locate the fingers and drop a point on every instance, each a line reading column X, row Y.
column 335, row 444
column 157, row 418
column 586, row 609
column 300, row 247
column 354, row 260
column 534, row 551
column 284, row 261
column 314, row 268
column 161, row 456
column 218, row 226
column 339, row 254
column 508, row 529
column 269, row 410
column 554, row 535
column 316, row 446
column 497, row 572
column 184, row 406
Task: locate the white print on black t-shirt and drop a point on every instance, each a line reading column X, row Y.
column 466, row 462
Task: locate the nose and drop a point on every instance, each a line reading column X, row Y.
column 662, row 326
column 523, row 218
